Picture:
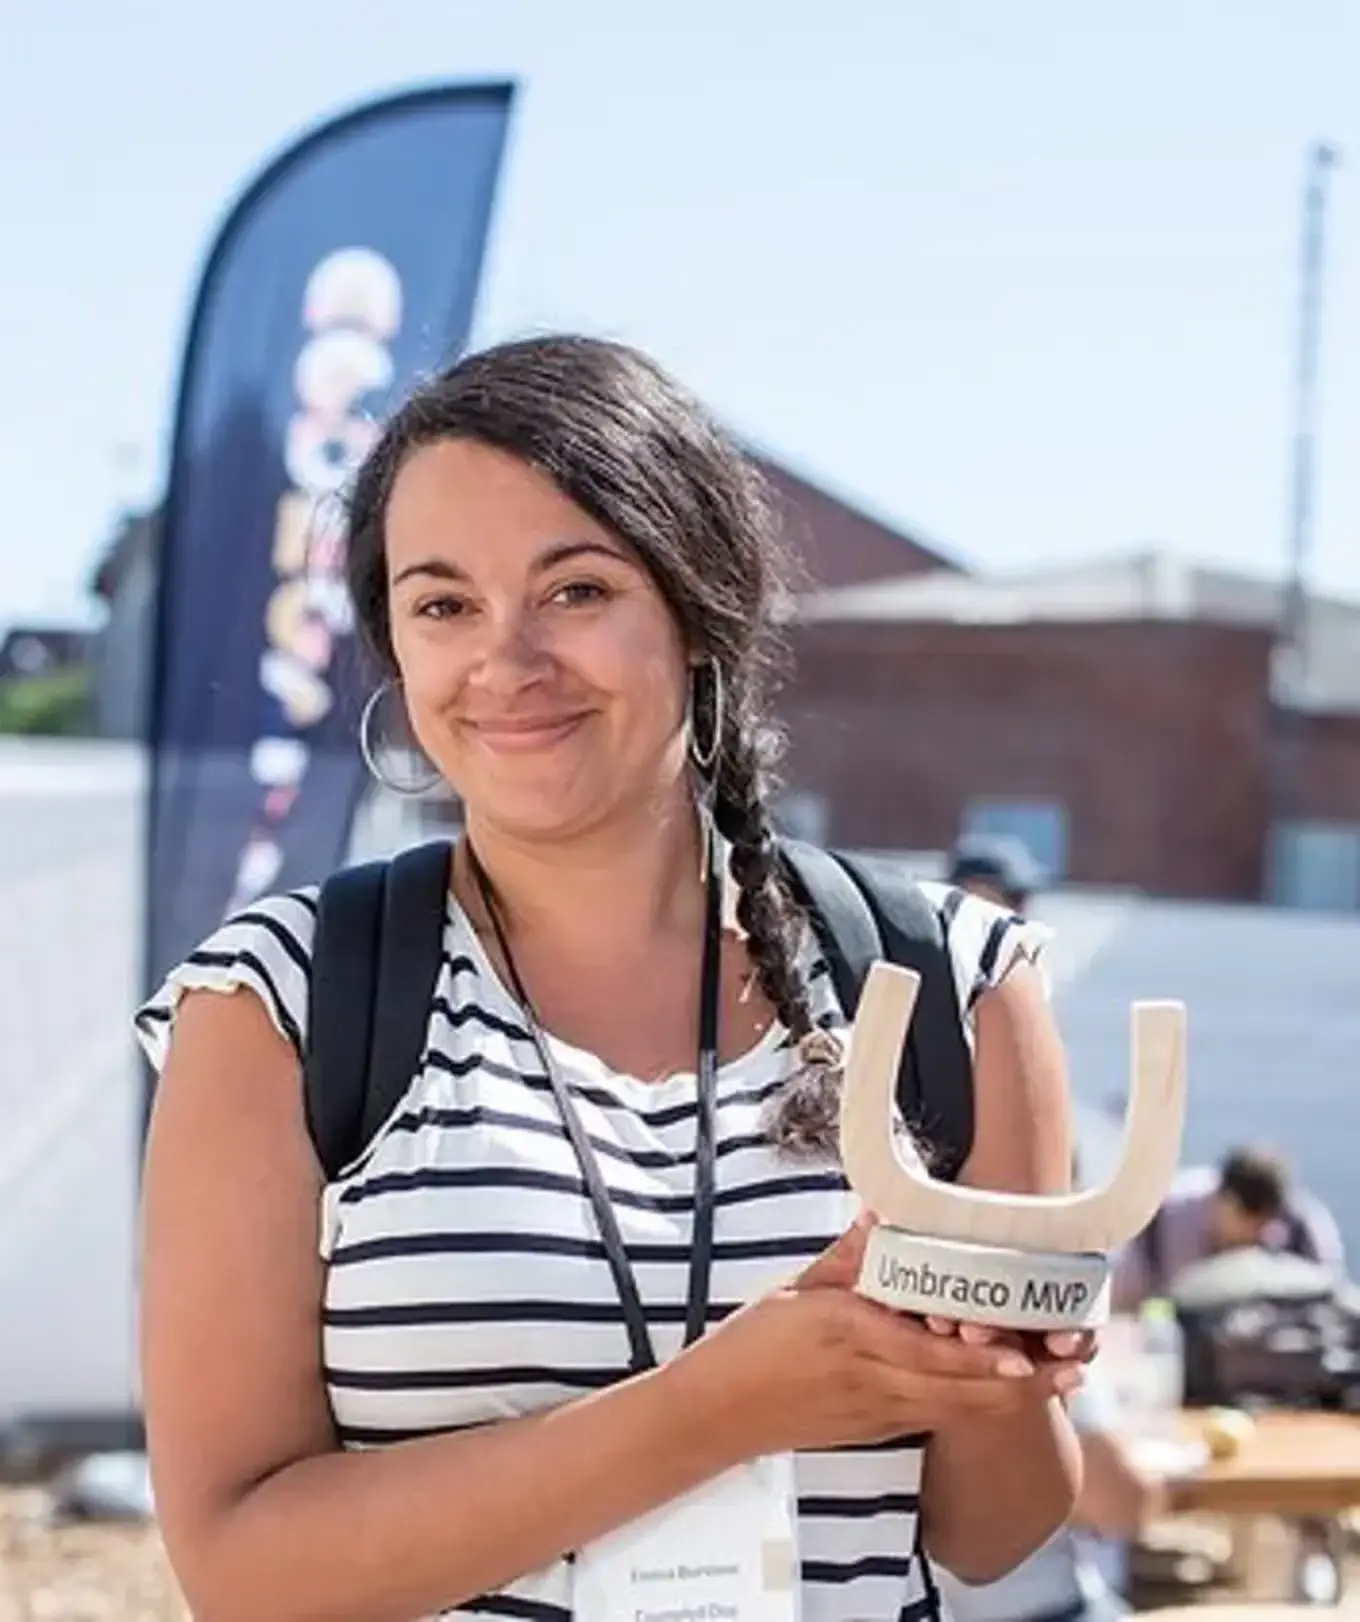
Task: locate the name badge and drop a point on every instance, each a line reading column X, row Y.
column 725, row 1552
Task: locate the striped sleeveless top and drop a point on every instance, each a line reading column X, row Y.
column 465, row 1278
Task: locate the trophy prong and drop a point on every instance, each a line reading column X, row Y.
column 1153, row 1121
column 905, row 1197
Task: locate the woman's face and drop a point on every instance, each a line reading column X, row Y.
column 542, row 671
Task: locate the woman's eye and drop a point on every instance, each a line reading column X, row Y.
column 577, row 593
column 440, row 608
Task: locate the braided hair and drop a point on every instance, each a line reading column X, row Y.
column 740, row 789
column 623, row 441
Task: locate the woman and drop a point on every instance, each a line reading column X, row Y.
column 472, row 1374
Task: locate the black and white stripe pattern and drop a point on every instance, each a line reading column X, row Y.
column 466, row 1281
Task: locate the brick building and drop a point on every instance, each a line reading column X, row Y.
column 1115, row 716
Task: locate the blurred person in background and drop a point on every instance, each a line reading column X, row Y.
column 1248, row 1201
column 997, row 868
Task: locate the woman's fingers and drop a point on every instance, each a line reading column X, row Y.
column 941, row 1394
column 905, row 1342
column 974, row 1334
column 932, row 1347
column 920, row 1370
column 837, row 1267
column 1073, row 1346
column 1064, row 1346
column 978, row 1334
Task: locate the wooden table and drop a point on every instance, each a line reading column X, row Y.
column 1216, row 1611
column 1295, row 1465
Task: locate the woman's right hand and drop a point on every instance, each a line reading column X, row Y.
column 816, row 1365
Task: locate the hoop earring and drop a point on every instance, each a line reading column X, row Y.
column 706, row 759
column 370, row 753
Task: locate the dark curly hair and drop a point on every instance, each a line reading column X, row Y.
column 629, row 446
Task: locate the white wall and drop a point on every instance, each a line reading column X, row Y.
column 70, row 1076
column 69, row 1080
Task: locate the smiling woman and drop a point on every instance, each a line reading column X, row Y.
column 583, row 1310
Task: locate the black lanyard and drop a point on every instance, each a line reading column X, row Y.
column 705, row 1159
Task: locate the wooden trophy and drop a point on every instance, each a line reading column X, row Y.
column 1012, row 1261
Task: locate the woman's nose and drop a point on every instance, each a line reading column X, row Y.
column 510, row 649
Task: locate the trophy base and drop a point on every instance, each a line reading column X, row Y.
column 984, row 1284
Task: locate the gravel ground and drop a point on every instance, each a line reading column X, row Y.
column 80, row 1573
column 118, row 1573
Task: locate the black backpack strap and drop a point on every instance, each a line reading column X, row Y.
column 938, row 1095
column 864, row 909
column 375, row 962
column 844, row 925
column 344, row 973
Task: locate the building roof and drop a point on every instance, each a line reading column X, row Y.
column 870, row 546
column 1150, row 584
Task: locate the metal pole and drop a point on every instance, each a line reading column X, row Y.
column 1289, row 664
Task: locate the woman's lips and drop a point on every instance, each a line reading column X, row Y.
column 523, row 735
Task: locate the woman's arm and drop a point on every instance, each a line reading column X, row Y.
column 995, row 1488
column 1117, row 1499
column 261, row 1514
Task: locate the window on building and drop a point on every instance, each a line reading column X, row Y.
column 1315, row 866
column 1040, row 825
